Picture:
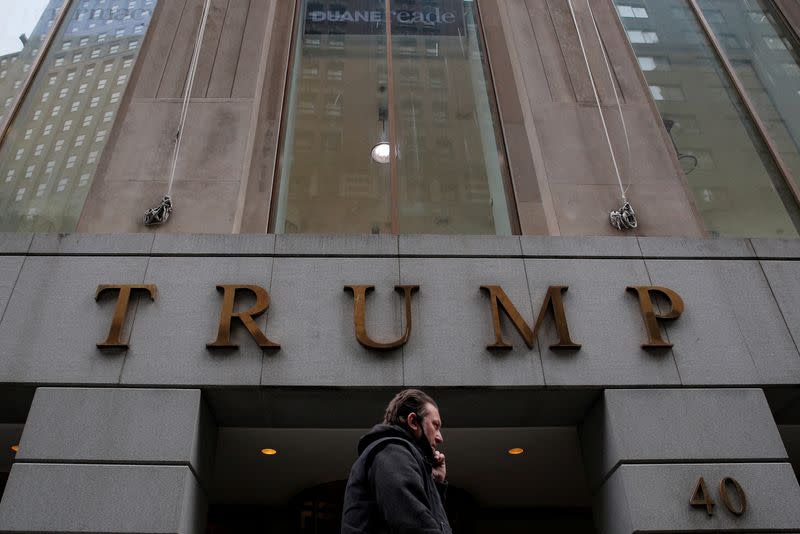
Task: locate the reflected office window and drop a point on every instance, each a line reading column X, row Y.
column 737, row 186
column 391, row 137
column 54, row 143
column 24, row 27
column 766, row 57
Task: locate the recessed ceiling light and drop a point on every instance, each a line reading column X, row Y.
column 515, row 451
column 15, row 448
column 269, row 452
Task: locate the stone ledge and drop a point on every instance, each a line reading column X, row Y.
column 120, row 426
column 335, row 245
column 654, row 498
column 459, row 245
column 592, row 247
column 102, row 498
column 15, row 243
column 677, row 247
column 213, row 245
column 772, row 249
column 387, row 245
column 678, row 425
column 92, row 244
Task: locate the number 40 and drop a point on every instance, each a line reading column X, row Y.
column 702, row 498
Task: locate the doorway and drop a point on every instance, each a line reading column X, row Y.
column 299, row 489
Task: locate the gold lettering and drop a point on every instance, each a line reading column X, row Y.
column 114, row 339
column 701, row 498
column 726, row 498
column 553, row 301
column 360, row 320
column 649, row 315
column 227, row 316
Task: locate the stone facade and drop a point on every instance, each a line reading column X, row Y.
column 103, row 429
column 139, row 438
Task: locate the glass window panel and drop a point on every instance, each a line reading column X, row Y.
column 631, row 11
column 330, row 184
column 447, row 161
column 653, row 63
column 737, row 187
column 68, row 91
column 23, row 29
column 766, row 62
column 450, row 176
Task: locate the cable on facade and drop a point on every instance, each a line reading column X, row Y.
column 160, row 214
column 624, row 218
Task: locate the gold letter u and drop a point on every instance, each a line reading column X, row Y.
column 360, row 316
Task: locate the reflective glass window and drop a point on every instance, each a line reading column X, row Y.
column 767, row 60
column 391, row 137
column 24, row 27
column 56, row 133
column 737, row 186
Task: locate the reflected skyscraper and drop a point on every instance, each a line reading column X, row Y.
column 54, row 145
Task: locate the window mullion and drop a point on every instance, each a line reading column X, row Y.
column 783, row 168
column 392, row 117
column 37, row 63
column 790, row 21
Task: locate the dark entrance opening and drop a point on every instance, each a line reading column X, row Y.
column 319, row 510
column 300, row 489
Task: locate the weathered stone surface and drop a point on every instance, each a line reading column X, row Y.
column 52, row 322
column 654, row 498
column 43, row 498
column 679, row 425
column 141, row 426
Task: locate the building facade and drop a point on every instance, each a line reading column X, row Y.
column 377, row 194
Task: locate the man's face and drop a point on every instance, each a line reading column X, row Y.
column 432, row 424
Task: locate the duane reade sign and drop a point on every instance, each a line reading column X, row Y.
column 446, row 18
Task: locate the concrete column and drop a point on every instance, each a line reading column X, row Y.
column 645, row 451
column 111, row 460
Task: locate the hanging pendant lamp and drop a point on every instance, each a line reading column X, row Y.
column 382, row 151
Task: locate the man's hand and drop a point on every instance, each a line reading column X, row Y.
column 439, row 470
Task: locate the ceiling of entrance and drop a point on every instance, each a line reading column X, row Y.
column 548, row 474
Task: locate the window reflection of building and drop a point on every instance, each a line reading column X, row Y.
column 766, row 58
column 448, row 168
column 738, row 188
column 51, row 152
column 15, row 67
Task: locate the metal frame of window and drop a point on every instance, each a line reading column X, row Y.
column 508, row 179
column 392, row 119
column 745, row 97
column 277, row 172
column 511, row 201
column 37, row 65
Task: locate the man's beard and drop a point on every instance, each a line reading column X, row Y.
column 425, row 445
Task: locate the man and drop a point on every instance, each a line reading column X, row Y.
column 397, row 484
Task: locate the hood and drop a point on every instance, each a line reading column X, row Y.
column 389, row 431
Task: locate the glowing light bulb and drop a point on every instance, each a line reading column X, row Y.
column 382, row 152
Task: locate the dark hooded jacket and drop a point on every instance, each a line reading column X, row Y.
column 391, row 489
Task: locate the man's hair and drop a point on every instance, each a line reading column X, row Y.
column 406, row 402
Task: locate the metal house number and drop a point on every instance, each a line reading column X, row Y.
column 701, row 497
